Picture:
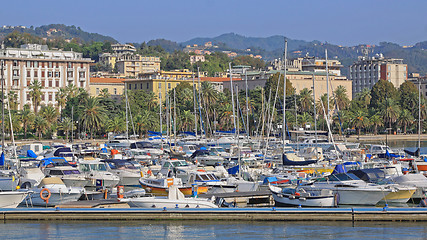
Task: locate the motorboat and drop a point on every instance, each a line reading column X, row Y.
column 59, row 167
column 11, row 199
column 294, row 196
column 174, row 199
column 97, row 174
column 52, row 191
column 129, row 174
column 350, row 189
column 160, row 186
column 206, row 158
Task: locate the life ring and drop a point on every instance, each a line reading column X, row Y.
column 394, row 161
column 46, row 199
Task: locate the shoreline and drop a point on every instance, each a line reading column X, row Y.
column 383, row 137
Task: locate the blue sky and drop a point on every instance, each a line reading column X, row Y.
column 341, row 22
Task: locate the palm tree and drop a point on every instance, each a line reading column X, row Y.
column 360, row 120
column 364, row 97
column 40, row 125
column 377, row 121
column 66, row 125
column 104, row 93
column 71, row 91
column 210, row 95
column 61, row 97
column 391, row 111
column 186, row 120
column 305, row 119
column 93, row 115
column 341, row 97
column 27, row 118
column 50, row 114
column 116, row 125
column 405, row 118
column 306, row 100
column 16, row 123
column 35, row 93
column 13, row 100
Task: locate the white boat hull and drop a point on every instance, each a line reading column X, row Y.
column 11, row 199
column 158, row 202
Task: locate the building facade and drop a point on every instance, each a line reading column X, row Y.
column 160, row 82
column 133, row 65
column 52, row 69
column 367, row 71
column 114, row 86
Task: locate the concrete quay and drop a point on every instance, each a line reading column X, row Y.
column 222, row 214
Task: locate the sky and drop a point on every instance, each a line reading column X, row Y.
column 341, row 22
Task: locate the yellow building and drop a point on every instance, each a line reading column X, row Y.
column 132, row 65
column 160, row 82
column 114, row 86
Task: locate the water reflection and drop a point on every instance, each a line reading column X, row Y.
column 211, row 230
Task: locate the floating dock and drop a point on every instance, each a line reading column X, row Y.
column 221, row 214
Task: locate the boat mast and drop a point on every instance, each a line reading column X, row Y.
column 315, row 115
column 194, row 103
column 284, row 94
column 232, row 99
column 200, row 104
column 127, row 121
column 174, row 115
column 327, row 85
column 2, row 106
column 160, row 106
column 237, row 132
column 247, row 106
column 419, row 116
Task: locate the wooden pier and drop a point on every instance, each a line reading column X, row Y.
column 221, row 214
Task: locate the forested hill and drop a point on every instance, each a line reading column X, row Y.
column 52, row 31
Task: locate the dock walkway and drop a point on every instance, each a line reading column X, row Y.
column 221, row 214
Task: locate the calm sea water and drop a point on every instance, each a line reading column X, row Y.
column 211, row 230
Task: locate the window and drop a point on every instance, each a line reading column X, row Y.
column 36, row 64
column 70, row 74
column 115, row 91
column 15, row 82
column 36, row 73
column 50, row 83
column 81, row 65
column 42, row 97
column 50, row 97
column 82, row 84
column 43, row 74
column 70, row 65
column 57, row 74
column 49, row 74
column 15, row 63
column 129, row 87
column 82, row 74
column 148, row 85
column 57, row 64
column 28, row 97
column 50, row 64
column 28, row 64
column 141, row 85
column 43, row 83
column 28, row 82
column 15, row 73
column 28, row 73
column 42, row 64
column 169, row 86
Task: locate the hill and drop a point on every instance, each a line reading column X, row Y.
column 53, row 31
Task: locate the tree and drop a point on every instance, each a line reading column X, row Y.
column 381, row 91
column 405, row 118
column 40, row 125
column 341, row 97
column 360, row 120
column 116, row 125
column 35, row 94
column 93, row 115
column 377, row 121
column 390, row 111
column 272, row 84
column 27, row 118
column 66, row 125
column 409, row 97
column 306, row 100
column 13, row 100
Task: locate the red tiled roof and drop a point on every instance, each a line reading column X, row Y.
column 218, row 79
column 106, row 80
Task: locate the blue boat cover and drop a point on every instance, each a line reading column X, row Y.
column 340, row 168
column 234, row 170
column 2, row 159
column 269, row 180
column 31, row 154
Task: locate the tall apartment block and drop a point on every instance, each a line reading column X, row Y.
column 367, row 71
column 53, row 69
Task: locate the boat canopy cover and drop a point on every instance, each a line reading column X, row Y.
column 234, row 170
column 288, row 162
column 51, row 180
column 31, row 154
column 369, row 175
column 269, row 180
column 340, row 168
column 62, row 151
column 199, row 153
column 56, row 161
column 415, row 154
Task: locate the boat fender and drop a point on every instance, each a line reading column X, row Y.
column 142, row 174
column 43, row 197
column 336, row 199
column 297, row 194
column 120, row 191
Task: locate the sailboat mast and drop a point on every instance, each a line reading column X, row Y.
column 174, row 115
column 419, row 116
column 327, row 83
column 315, row 114
column 127, row 122
column 237, row 132
column 194, row 103
column 232, row 97
column 247, row 106
column 160, row 106
column 284, row 93
column 2, row 105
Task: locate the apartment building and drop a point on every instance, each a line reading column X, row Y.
column 367, row 71
column 132, row 65
column 53, row 69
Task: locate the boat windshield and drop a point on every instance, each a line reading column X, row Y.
column 121, row 165
column 98, row 167
column 69, row 172
column 342, row 177
column 218, row 149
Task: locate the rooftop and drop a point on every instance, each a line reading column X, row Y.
column 106, row 80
